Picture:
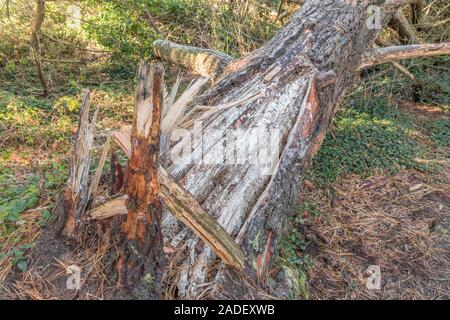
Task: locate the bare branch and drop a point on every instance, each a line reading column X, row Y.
column 395, row 64
column 383, row 55
column 205, row 62
column 299, row 2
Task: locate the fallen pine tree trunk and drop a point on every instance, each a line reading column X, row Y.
column 294, row 83
column 242, row 152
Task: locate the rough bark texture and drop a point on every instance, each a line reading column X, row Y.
column 297, row 79
column 141, row 257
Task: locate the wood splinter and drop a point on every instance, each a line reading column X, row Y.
column 76, row 194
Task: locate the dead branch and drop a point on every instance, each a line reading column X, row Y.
column 395, row 64
column 205, row 62
column 382, row 55
column 152, row 22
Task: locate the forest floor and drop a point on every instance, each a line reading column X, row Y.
column 376, row 194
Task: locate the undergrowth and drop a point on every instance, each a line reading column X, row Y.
column 365, row 138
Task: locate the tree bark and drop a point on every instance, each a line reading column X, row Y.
column 204, row 62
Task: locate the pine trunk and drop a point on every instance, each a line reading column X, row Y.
column 292, row 85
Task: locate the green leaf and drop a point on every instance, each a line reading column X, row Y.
column 22, row 265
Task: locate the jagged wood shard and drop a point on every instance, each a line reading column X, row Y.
column 76, row 194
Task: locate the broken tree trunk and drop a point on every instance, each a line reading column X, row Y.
column 141, row 257
column 73, row 201
column 243, row 160
column 296, row 82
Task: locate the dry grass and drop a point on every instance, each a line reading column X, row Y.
column 400, row 223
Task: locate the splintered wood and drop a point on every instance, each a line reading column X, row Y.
column 142, row 178
column 141, row 255
column 184, row 207
column 76, row 194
